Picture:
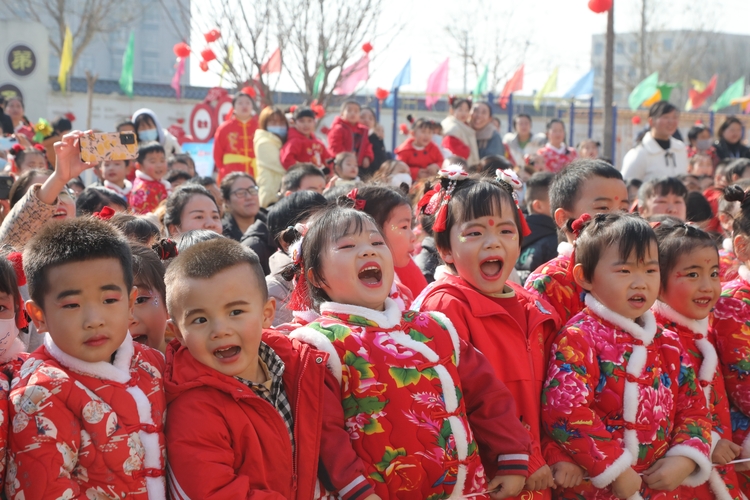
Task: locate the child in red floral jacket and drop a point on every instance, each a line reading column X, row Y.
column 423, row 409
column 348, row 135
column 149, row 188
column 621, row 396
column 690, row 287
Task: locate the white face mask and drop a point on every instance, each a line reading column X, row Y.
column 8, row 333
column 398, row 179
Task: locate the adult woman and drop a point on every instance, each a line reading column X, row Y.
column 15, row 109
column 240, row 194
column 267, row 142
column 522, row 142
column 658, row 154
column 458, row 137
column 556, row 153
column 376, row 138
column 729, row 140
column 489, row 141
column 191, row 207
column 149, row 129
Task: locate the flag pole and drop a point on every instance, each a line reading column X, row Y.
column 572, row 122
column 510, row 112
column 614, row 132
column 395, row 118
column 377, row 110
column 711, row 121
column 591, row 116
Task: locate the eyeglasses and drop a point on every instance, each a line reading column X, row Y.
column 245, row 192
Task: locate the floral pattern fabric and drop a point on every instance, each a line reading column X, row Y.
column 554, row 283
column 146, row 195
column 8, row 372
column 584, row 403
column 728, row 265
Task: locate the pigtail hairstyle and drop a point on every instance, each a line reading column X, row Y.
column 165, row 249
column 676, row 239
column 295, row 272
column 742, row 219
column 510, row 182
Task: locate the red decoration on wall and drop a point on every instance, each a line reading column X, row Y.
column 600, row 6
column 203, row 66
column 212, row 35
column 636, row 120
column 381, row 94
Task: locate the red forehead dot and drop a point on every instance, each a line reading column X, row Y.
column 492, row 222
column 617, row 198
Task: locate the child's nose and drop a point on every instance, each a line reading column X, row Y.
column 93, row 318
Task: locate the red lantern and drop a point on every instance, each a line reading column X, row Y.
column 382, row 94
column 250, row 91
column 292, row 108
column 600, row 6
column 367, row 47
column 319, row 110
column 208, row 55
column 203, row 66
column 636, row 120
column 212, row 36
column 181, row 49
column 404, row 129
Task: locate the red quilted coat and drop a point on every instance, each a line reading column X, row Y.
column 242, row 441
column 554, row 283
column 345, row 137
column 483, row 323
column 88, row 430
column 423, row 409
column 300, row 148
column 698, row 341
column 418, row 159
column 10, row 367
column 147, row 193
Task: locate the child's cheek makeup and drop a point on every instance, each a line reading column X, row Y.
column 462, row 239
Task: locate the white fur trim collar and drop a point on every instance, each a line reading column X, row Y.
column 118, row 371
column 728, row 245
column 565, row 249
column 320, row 342
column 117, row 189
column 147, row 177
column 388, row 318
column 694, row 325
column 744, row 273
column 643, row 333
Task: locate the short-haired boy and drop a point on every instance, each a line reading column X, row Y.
column 666, row 196
column 149, row 188
column 89, row 405
column 541, row 245
column 302, row 145
column 251, row 412
column 115, row 177
column 348, row 135
column 303, row 177
column 583, row 187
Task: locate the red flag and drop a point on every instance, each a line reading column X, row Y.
column 698, row 98
column 273, row 65
column 513, row 85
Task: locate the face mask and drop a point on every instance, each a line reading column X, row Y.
column 8, row 333
column 703, row 144
column 399, row 179
column 280, row 131
column 148, row 135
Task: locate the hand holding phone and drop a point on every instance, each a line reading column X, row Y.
column 98, row 147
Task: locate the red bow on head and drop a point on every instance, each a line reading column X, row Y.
column 105, row 214
column 426, row 202
column 580, row 223
column 16, row 259
column 358, row 204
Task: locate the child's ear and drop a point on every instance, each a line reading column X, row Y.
column 579, row 278
column 561, row 218
column 446, row 255
column 174, row 330
column 269, row 312
column 37, row 316
column 310, row 276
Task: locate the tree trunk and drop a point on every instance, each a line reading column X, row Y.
column 608, row 85
column 90, row 82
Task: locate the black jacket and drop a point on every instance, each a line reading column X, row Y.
column 539, row 247
column 725, row 150
column 428, row 259
column 380, row 156
column 258, row 239
column 6, row 124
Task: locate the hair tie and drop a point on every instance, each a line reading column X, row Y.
column 511, row 180
column 358, row 204
column 579, row 224
column 16, row 260
column 16, row 148
column 165, row 248
column 429, row 201
column 655, row 224
column 40, row 148
column 453, row 173
column 105, row 213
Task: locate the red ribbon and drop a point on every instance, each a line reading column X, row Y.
column 358, row 204
column 106, row 213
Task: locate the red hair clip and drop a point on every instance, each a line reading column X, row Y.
column 165, row 248
column 17, row 148
column 39, row 147
column 106, row 213
column 358, row 204
column 16, row 260
column 580, row 223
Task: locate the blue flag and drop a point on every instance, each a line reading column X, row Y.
column 583, row 87
column 403, row 78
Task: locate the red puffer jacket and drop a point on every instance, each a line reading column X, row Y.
column 345, row 136
column 226, row 442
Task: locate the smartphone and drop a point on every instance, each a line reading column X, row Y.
column 7, row 142
column 6, row 181
column 98, row 147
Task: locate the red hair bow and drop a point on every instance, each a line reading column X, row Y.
column 16, row 260
column 358, row 204
column 580, row 223
column 17, row 148
column 40, row 148
column 106, row 213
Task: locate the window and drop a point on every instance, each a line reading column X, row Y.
column 619, row 70
column 631, row 72
column 633, row 47
column 150, row 64
column 598, row 72
column 668, row 43
column 620, row 48
column 598, row 49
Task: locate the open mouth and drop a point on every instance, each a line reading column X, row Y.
column 227, row 352
column 60, row 213
column 702, row 302
column 143, row 339
column 370, row 275
column 637, row 300
column 491, row 268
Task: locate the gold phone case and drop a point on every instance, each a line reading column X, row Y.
column 108, row 146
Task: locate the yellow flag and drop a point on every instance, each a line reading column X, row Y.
column 225, row 64
column 698, row 85
column 66, row 59
column 549, row 87
column 653, row 99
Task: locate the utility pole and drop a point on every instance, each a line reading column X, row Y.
column 644, row 5
column 608, row 83
column 466, row 59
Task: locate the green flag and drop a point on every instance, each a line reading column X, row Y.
column 126, row 77
column 320, row 75
column 643, row 91
column 666, row 90
column 481, row 87
column 735, row 91
column 549, row 86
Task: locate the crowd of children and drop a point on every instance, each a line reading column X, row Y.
column 436, row 325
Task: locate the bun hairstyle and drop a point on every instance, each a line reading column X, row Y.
column 165, row 249
column 676, row 239
column 457, row 102
column 742, row 220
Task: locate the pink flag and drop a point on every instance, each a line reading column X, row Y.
column 179, row 70
column 437, row 84
column 273, row 65
column 352, row 75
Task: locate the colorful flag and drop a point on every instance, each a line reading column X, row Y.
column 403, row 78
column 744, row 103
column 352, row 75
column 126, row 77
column 549, row 87
column 273, row 64
column 663, row 93
column 481, row 87
column 437, row 84
column 320, row 75
column 700, row 93
column 226, row 63
column 583, row 87
column 735, row 91
column 179, row 70
column 66, row 60
column 644, row 90
column 513, row 85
